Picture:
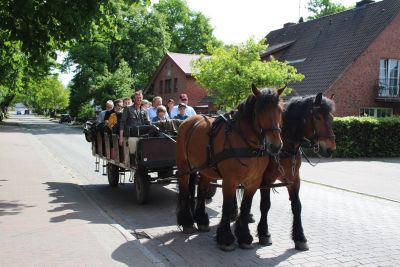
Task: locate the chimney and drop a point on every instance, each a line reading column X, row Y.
column 363, row 3
column 288, row 24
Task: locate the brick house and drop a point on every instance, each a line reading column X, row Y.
column 173, row 76
column 353, row 54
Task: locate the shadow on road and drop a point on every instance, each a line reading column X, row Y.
column 12, row 207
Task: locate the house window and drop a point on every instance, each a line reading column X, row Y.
column 161, row 87
column 168, row 86
column 376, row 112
column 175, row 85
column 388, row 78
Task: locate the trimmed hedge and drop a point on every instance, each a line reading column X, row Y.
column 367, row 137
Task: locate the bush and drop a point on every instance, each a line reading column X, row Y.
column 86, row 112
column 367, row 137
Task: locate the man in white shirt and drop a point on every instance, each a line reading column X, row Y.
column 189, row 110
column 152, row 111
column 100, row 117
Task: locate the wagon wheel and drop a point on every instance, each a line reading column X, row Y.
column 142, row 187
column 112, row 174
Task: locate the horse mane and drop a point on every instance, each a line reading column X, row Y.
column 266, row 98
column 296, row 112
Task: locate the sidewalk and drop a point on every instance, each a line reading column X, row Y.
column 46, row 219
column 378, row 177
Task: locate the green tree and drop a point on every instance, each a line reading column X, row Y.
column 114, row 85
column 320, row 8
column 228, row 73
column 139, row 38
column 46, row 94
column 190, row 31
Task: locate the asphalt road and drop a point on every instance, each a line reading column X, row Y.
column 343, row 228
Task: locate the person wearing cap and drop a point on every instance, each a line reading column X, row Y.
column 181, row 109
column 157, row 101
column 189, row 111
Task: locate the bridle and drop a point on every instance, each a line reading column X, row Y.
column 315, row 139
column 261, row 133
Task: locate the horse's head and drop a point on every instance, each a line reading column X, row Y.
column 267, row 117
column 318, row 126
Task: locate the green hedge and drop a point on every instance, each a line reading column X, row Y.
column 367, row 137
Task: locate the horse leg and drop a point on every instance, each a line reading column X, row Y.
column 200, row 214
column 235, row 210
column 242, row 231
column 264, row 237
column 235, row 213
column 185, row 200
column 225, row 238
column 298, row 237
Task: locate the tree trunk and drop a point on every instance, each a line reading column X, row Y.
column 6, row 102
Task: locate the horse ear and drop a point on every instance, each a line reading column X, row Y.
column 255, row 90
column 280, row 91
column 318, row 100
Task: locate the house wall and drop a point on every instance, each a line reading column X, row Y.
column 357, row 86
column 186, row 84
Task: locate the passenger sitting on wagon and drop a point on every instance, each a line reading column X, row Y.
column 101, row 116
column 161, row 114
column 132, row 116
column 114, row 116
column 181, row 115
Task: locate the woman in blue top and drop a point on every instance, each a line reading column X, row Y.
column 181, row 115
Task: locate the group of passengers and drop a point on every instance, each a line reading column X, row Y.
column 120, row 115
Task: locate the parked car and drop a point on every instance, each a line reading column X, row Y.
column 18, row 112
column 65, row 118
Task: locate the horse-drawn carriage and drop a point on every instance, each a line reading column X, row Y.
column 148, row 154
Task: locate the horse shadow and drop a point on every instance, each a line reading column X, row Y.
column 179, row 249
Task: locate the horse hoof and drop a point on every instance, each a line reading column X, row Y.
column 265, row 240
column 230, row 247
column 188, row 229
column 245, row 246
column 203, row 228
column 299, row 245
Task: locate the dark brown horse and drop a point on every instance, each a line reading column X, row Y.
column 306, row 121
column 233, row 148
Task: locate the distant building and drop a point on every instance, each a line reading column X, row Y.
column 173, row 77
column 354, row 55
column 20, row 109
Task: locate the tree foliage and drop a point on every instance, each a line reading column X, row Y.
column 132, row 50
column 320, row 8
column 190, row 31
column 47, row 93
column 228, row 74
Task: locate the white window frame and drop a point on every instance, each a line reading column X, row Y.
column 374, row 112
column 388, row 82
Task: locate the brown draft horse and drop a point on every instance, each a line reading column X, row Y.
column 306, row 121
column 236, row 154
